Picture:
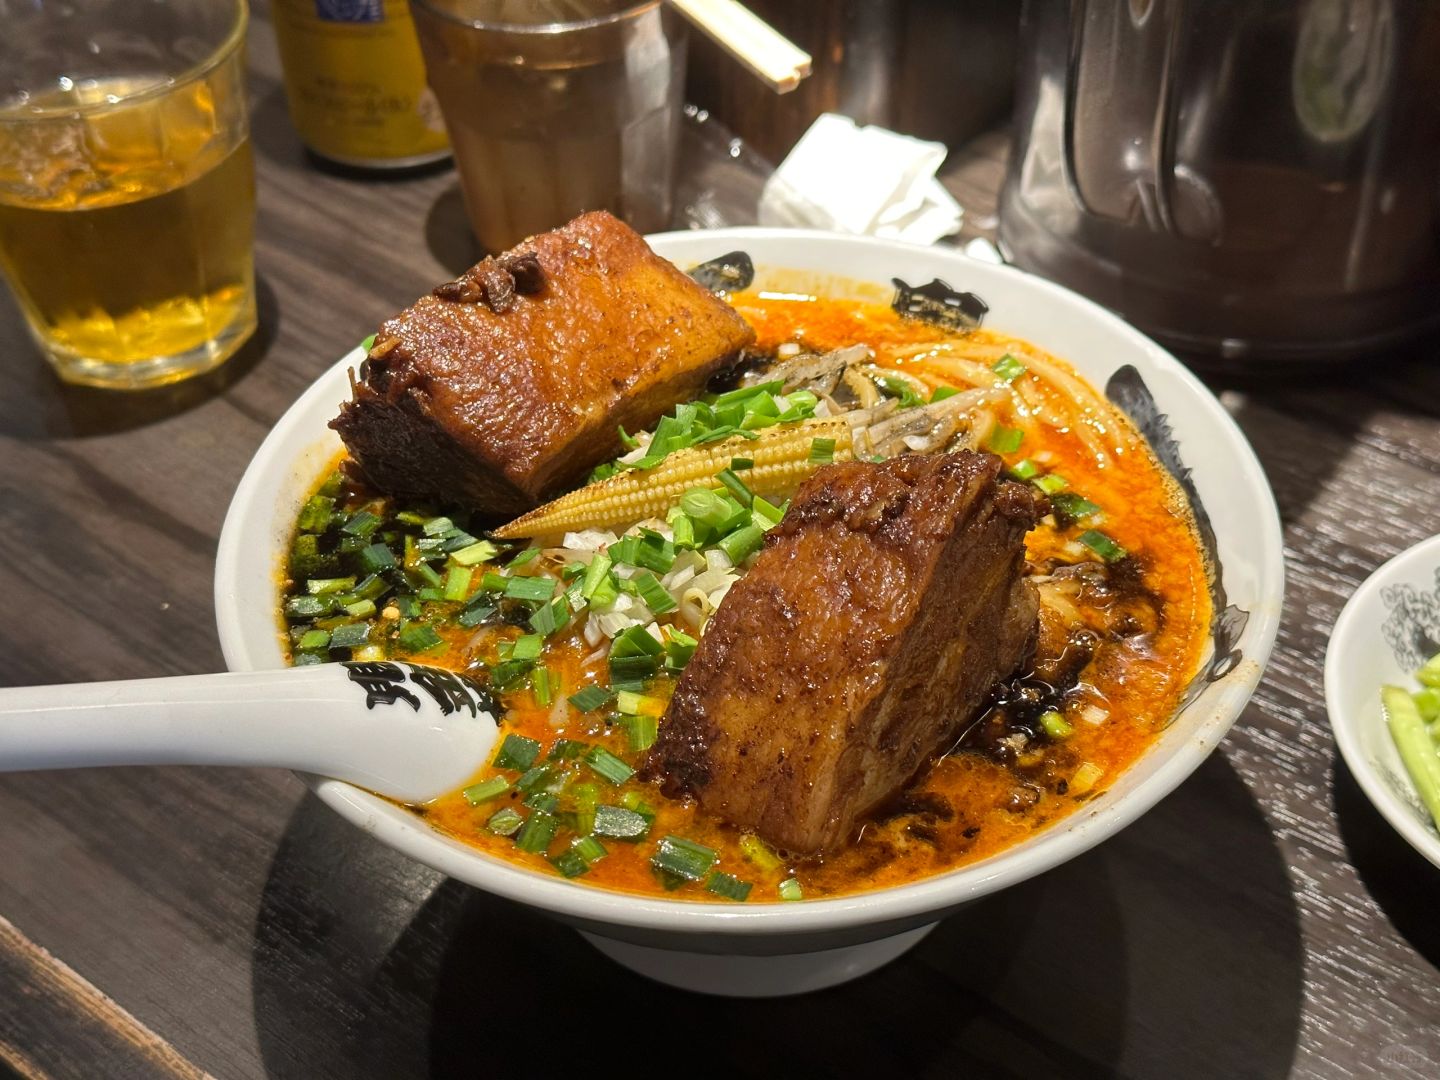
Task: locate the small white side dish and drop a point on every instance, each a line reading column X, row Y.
column 777, row 948
column 1378, row 639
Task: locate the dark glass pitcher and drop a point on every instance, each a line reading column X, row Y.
column 1239, row 177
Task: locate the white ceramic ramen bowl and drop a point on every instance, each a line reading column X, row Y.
column 1387, row 629
column 779, row 948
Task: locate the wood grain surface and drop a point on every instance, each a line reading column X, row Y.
column 1263, row 921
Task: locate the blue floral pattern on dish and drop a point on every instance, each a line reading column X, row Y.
column 1412, row 627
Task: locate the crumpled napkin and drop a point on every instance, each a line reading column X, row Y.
column 862, row 180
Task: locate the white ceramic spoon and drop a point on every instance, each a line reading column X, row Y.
column 412, row 733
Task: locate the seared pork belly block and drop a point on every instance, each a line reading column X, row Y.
column 872, row 628
column 506, row 386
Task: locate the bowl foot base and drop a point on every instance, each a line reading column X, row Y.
column 758, row 976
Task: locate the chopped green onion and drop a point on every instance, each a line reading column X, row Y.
column 456, row 540
column 429, row 575
column 588, row 848
column 638, row 704
column 517, row 752
column 1051, row 483
column 505, row 821
column 683, row 529
column 544, row 801
column 789, row 889
column 1055, row 724
column 608, row 766
column 307, row 560
column 654, row 552
column 1008, row 368
column 759, row 853
column 736, row 486
column 742, row 543
column 362, row 523
column 437, row 526
column 940, row 393
column 528, row 555
column 315, row 516
column 728, row 886
column 368, row 343
column 740, row 464
column 376, row 557
column 1073, row 507
column 481, row 551
column 1102, row 545
column 619, row 823
column 704, row 506
column 313, row 639
column 570, row 864
column 656, row 598
column 420, row 637
column 764, row 514
column 595, row 573
column 1024, row 470
column 493, row 582
column 361, row 609
column 566, row 749
column 679, row 648
column 537, row 832
column 306, row 607
column 822, row 451
column 641, row 731
column 533, row 589
column 543, row 684
column 550, row 617
column 486, row 790
column 590, row 698
column 527, row 647
column 683, row 858
column 325, row 586
column 372, row 587
column 628, row 670
column 509, row 673
column 533, row 778
column 1005, row 440
column 626, row 550
column 457, row 583
column 635, row 641
column 478, row 610
column 351, row 635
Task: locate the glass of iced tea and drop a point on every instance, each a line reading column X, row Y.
column 127, row 188
column 555, row 107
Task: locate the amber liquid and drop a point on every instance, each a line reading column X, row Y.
column 545, row 127
column 127, row 234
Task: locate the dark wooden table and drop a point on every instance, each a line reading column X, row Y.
column 1262, row 921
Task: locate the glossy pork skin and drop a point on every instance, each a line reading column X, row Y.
column 871, row 629
column 499, row 410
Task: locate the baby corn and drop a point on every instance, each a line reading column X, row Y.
column 781, row 455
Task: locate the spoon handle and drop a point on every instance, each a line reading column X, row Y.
column 409, row 732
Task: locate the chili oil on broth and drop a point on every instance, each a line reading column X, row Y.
column 970, row 803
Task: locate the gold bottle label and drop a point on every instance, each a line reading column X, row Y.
column 356, row 82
